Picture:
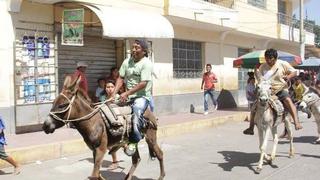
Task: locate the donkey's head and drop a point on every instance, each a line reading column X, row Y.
column 61, row 105
column 309, row 97
column 263, row 91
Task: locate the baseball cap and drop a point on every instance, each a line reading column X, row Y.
column 142, row 43
column 82, row 64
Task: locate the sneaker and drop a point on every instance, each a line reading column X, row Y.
column 248, row 131
column 215, row 107
column 130, row 149
column 205, row 113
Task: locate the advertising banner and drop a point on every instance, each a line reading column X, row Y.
column 72, row 27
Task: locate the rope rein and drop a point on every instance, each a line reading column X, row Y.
column 69, row 108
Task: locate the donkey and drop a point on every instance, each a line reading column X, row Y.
column 311, row 100
column 72, row 106
column 267, row 119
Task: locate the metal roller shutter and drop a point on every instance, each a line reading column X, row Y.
column 99, row 53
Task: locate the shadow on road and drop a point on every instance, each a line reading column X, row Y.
column 4, row 173
column 112, row 174
column 239, row 159
column 301, row 139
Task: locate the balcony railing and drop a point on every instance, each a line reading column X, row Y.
column 224, row 3
column 293, row 22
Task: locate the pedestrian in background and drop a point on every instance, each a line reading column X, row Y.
column 81, row 71
column 3, row 154
column 114, row 74
column 250, row 91
column 208, row 80
column 100, row 91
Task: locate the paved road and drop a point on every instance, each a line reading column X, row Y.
column 217, row 153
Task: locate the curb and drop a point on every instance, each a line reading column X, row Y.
column 57, row 150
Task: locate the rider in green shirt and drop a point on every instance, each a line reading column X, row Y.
column 137, row 70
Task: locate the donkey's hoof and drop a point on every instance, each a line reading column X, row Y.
column 161, row 177
column 269, row 161
column 258, row 170
column 93, row 178
column 101, row 178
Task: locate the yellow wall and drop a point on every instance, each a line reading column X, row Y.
column 257, row 20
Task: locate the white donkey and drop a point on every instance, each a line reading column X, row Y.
column 267, row 119
column 311, row 100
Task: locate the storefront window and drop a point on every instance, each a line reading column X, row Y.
column 35, row 70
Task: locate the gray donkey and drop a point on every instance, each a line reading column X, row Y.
column 311, row 100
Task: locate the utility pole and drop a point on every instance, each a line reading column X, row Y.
column 302, row 35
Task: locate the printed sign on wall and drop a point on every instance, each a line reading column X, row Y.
column 72, row 27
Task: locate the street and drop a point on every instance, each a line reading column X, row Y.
column 217, row 153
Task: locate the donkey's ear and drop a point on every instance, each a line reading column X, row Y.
column 75, row 85
column 258, row 75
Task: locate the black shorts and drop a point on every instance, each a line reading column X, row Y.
column 282, row 95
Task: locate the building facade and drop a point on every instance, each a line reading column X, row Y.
column 184, row 35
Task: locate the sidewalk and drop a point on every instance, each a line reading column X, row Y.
column 38, row 146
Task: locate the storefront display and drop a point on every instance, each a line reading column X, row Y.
column 35, row 68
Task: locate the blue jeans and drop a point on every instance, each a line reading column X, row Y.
column 151, row 104
column 209, row 93
column 139, row 106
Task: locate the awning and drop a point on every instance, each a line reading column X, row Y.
column 121, row 22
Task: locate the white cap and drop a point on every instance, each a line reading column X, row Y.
column 82, row 64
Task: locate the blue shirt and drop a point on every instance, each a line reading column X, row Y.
column 2, row 138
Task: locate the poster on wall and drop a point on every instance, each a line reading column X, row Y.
column 72, row 27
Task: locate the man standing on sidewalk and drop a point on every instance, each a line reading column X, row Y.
column 208, row 80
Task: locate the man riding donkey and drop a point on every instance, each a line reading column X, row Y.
column 137, row 70
column 281, row 72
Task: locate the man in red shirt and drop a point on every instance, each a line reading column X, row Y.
column 81, row 70
column 208, row 80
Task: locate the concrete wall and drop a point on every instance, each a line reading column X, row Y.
column 6, row 68
column 201, row 11
column 256, row 20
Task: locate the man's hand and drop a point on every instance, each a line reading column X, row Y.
column 124, row 97
column 286, row 78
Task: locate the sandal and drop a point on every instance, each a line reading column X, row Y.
column 114, row 165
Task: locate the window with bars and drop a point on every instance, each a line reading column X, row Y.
column 258, row 3
column 187, row 59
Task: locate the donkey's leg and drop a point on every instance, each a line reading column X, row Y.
column 275, row 143
column 151, row 139
column 317, row 118
column 263, row 139
column 288, row 126
column 99, row 153
column 135, row 161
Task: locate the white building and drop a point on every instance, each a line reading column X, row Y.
column 184, row 35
